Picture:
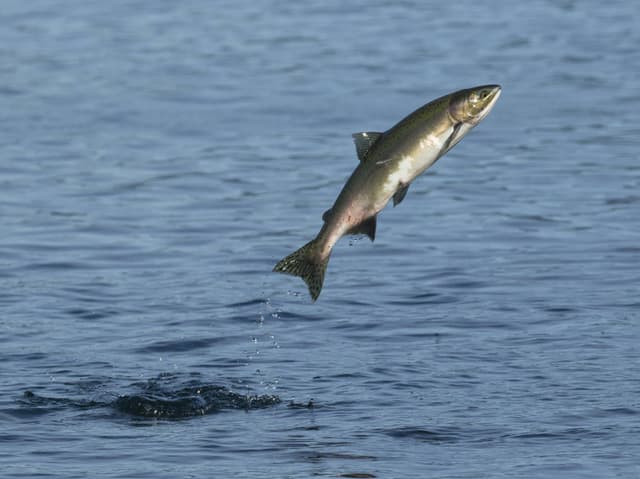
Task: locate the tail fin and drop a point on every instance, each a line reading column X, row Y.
column 306, row 264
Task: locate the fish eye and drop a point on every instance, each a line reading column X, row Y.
column 484, row 94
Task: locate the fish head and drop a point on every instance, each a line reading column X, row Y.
column 470, row 106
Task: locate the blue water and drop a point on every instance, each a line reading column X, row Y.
column 158, row 158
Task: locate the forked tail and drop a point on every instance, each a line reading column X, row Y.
column 307, row 264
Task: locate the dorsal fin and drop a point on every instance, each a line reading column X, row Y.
column 367, row 227
column 327, row 214
column 364, row 141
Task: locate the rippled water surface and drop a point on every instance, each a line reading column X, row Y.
column 158, row 158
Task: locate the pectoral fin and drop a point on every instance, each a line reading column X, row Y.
column 367, row 227
column 400, row 194
column 364, row 141
column 453, row 136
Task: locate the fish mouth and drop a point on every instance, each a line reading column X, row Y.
column 494, row 94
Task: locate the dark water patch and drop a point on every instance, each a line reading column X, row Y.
column 628, row 249
column 27, row 357
column 353, row 303
column 624, row 200
column 251, row 302
column 348, row 376
column 59, row 266
column 90, row 314
column 580, row 58
column 67, row 214
column 181, row 345
column 463, row 284
column 10, row 91
column 531, row 218
column 94, row 292
column 570, row 434
column 10, row 437
column 560, row 309
column 358, row 327
column 422, row 435
column 339, row 455
column 616, row 411
column 426, row 298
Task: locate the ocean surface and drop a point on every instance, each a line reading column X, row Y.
column 158, row 158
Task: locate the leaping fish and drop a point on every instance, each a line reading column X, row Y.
column 389, row 162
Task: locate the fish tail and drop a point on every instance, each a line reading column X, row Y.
column 307, row 264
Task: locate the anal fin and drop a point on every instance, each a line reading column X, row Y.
column 367, row 227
